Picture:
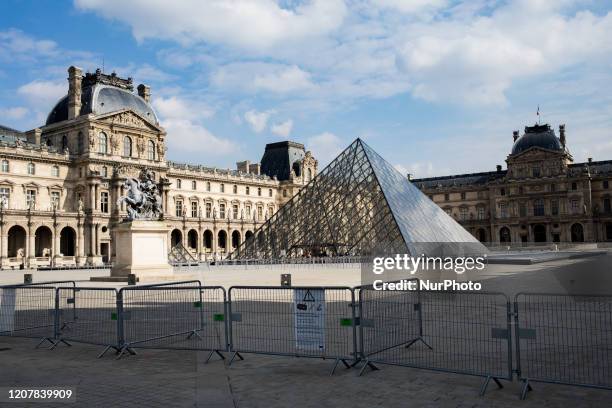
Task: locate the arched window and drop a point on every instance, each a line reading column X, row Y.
column 194, row 185
column 5, row 166
column 104, row 171
column 309, row 173
column 178, row 183
column 31, row 169
column 55, row 171
column 127, row 146
column 151, row 150
column 102, row 143
column 64, row 143
column 80, row 142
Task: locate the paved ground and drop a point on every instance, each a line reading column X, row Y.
column 156, row 378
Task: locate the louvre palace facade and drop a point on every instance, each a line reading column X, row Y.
column 542, row 196
column 59, row 184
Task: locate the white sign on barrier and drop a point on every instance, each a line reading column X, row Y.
column 309, row 310
column 7, row 310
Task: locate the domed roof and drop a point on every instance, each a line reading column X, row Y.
column 537, row 136
column 102, row 94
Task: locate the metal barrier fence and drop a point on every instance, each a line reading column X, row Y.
column 182, row 318
column 28, row 311
column 564, row 339
column 88, row 315
column 457, row 332
column 559, row 338
column 314, row 322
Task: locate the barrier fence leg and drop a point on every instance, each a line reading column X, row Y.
column 338, row 360
column 106, row 349
column 217, row 352
column 525, row 389
column 45, row 339
column 236, row 354
column 57, row 342
column 486, row 382
column 367, row 363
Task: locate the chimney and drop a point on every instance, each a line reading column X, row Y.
column 562, row 134
column 75, row 76
column 243, row 166
column 499, row 168
column 590, row 160
column 33, row 136
column 515, row 135
column 255, row 168
column 144, row 92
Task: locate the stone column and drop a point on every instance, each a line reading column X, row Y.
column 30, row 245
column 200, row 242
column 4, row 243
column 92, row 196
column 80, row 244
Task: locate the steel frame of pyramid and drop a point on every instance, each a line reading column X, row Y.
column 359, row 205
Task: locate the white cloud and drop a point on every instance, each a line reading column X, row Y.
column 261, row 76
column 247, row 24
column 16, row 45
column 410, row 6
column 283, row 128
column 258, row 120
column 326, row 146
column 186, row 137
column 179, row 108
column 43, row 94
column 15, row 113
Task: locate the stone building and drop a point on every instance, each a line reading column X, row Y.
column 543, row 196
column 59, row 184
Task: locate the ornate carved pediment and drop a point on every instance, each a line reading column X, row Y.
column 130, row 119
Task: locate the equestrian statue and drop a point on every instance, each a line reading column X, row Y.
column 142, row 198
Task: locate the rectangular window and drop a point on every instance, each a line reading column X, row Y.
column 575, row 206
column 538, row 208
column 5, row 195
column 606, row 206
column 208, row 210
column 259, row 191
column 522, row 210
column 193, row 185
column 194, row 209
column 503, row 210
column 247, row 212
column 446, row 197
column 463, row 195
column 606, row 184
column 535, row 172
column 235, row 189
column 259, row 213
column 179, row 208
column 481, row 213
column 235, row 211
column 208, row 186
column 222, row 210
column 104, row 201
column 222, row 188
column 554, row 207
column 31, row 199
column 270, row 192
column 463, row 213
column 248, row 190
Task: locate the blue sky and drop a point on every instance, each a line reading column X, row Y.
column 436, row 87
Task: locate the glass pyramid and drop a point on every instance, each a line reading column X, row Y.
column 359, row 205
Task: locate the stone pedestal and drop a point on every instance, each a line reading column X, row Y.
column 142, row 249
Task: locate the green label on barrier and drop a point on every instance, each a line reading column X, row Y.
column 197, row 304
column 113, row 315
column 346, row 322
column 219, row 317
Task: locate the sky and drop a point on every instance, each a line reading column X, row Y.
column 436, row 87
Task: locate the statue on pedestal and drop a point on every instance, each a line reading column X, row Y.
column 142, row 198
